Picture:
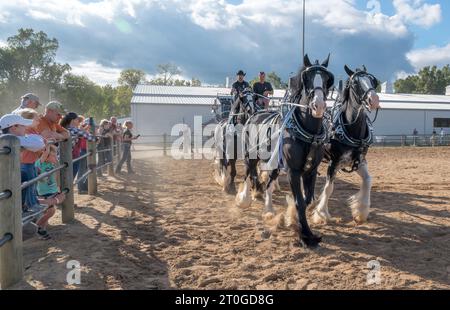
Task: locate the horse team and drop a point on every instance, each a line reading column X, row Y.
column 297, row 137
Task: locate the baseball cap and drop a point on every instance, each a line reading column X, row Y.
column 31, row 96
column 9, row 120
column 56, row 106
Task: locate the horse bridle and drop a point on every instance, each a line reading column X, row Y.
column 311, row 92
column 362, row 100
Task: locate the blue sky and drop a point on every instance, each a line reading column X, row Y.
column 212, row 39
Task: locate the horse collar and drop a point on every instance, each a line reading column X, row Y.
column 340, row 132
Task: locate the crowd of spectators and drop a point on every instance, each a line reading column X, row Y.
column 39, row 135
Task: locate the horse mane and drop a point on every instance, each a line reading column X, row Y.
column 296, row 85
column 346, row 91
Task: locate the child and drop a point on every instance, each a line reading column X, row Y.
column 47, row 188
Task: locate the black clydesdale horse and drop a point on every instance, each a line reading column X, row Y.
column 227, row 138
column 352, row 134
column 303, row 135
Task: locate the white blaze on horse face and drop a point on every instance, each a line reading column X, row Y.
column 318, row 103
column 372, row 97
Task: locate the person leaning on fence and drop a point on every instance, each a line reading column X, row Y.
column 28, row 158
column 127, row 140
column 106, row 136
column 16, row 125
column 48, row 124
column 71, row 122
column 48, row 188
column 83, row 185
column 28, row 101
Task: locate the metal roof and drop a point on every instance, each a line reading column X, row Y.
column 183, row 95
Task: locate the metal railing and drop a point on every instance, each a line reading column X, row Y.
column 12, row 219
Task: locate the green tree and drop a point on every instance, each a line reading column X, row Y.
column 27, row 63
column 429, row 80
column 131, row 78
column 166, row 73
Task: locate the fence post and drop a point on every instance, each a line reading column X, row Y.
column 68, row 212
column 92, row 161
column 11, row 253
column 111, row 166
column 165, row 144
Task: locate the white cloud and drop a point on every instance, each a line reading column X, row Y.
column 434, row 55
column 417, row 12
column 96, row 72
column 3, row 17
column 216, row 37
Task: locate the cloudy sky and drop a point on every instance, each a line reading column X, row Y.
column 212, row 39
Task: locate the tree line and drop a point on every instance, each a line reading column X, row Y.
column 430, row 80
column 28, row 64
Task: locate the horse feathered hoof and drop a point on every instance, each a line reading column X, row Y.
column 231, row 190
column 311, row 241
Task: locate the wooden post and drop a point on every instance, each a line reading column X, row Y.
column 92, row 161
column 11, row 253
column 165, row 144
column 65, row 150
column 111, row 166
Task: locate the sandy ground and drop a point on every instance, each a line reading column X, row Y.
column 170, row 226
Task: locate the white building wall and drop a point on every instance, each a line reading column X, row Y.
column 154, row 119
column 403, row 122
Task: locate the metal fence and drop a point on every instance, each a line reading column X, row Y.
column 12, row 219
column 417, row 140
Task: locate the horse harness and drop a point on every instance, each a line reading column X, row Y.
column 339, row 133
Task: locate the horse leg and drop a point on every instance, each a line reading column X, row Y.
column 230, row 187
column 321, row 214
column 306, row 235
column 256, row 184
column 243, row 197
column 268, row 211
column 309, row 182
column 360, row 203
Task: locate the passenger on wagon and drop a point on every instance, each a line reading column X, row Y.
column 262, row 88
column 240, row 85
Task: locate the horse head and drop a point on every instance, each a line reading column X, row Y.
column 312, row 85
column 361, row 85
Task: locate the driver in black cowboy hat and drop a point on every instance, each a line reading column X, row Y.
column 240, row 85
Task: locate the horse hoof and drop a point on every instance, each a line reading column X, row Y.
column 359, row 220
column 311, row 241
column 231, row 191
column 268, row 216
column 319, row 219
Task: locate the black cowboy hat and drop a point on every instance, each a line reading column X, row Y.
column 240, row 72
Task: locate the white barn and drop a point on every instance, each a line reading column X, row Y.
column 156, row 109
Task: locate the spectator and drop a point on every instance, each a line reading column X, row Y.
column 442, row 136
column 127, row 140
column 48, row 124
column 28, row 158
column 28, row 101
column 48, row 188
column 16, row 125
column 106, row 136
column 83, row 185
column 71, row 122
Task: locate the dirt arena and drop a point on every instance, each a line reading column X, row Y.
column 170, row 226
